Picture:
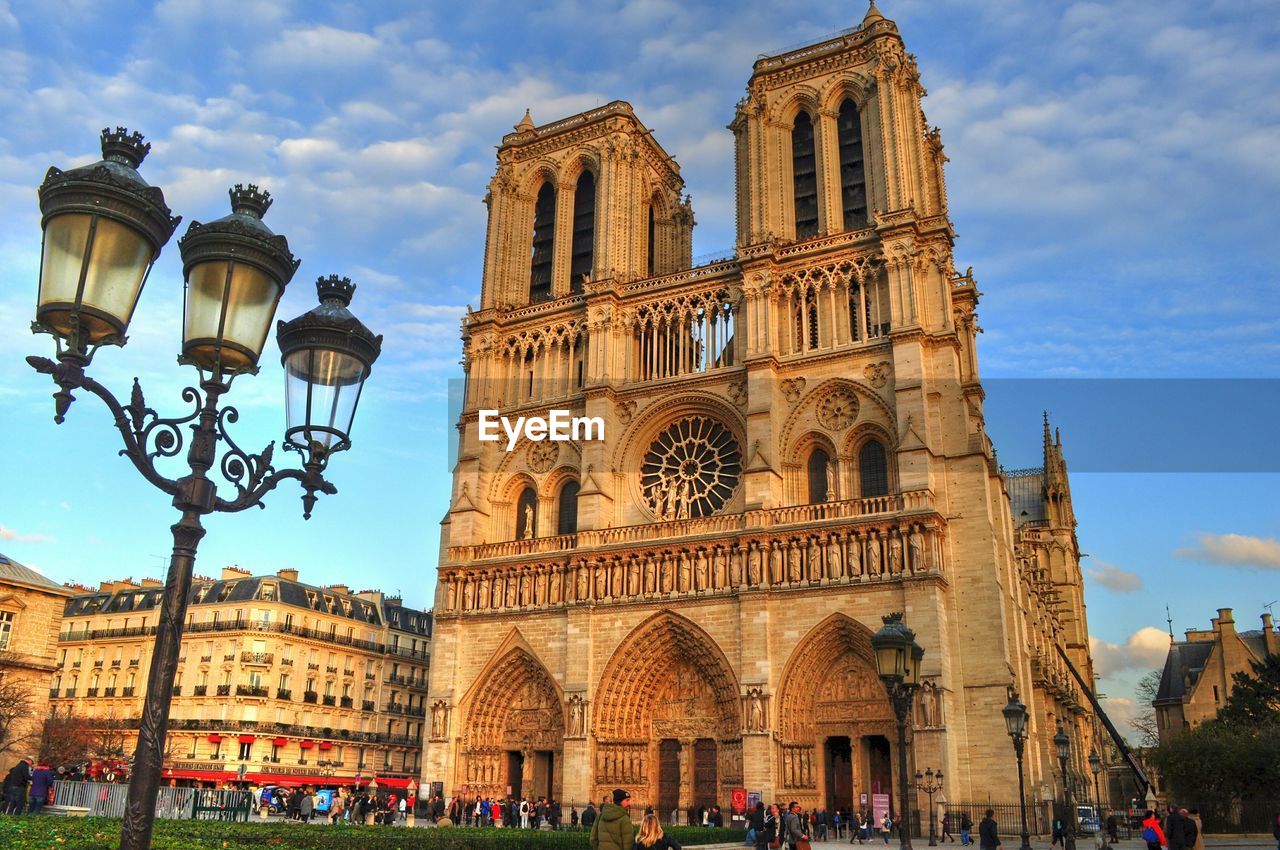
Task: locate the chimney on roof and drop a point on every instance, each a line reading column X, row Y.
column 287, row 575
column 1270, row 640
column 233, row 573
column 152, row 582
column 339, row 588
column 394, row 600
column 1226, row 623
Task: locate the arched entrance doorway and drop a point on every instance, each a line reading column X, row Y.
column 836, row 721
column 513, row 735
column 668, row 719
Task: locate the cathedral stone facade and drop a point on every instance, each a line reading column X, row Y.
column 793, row 448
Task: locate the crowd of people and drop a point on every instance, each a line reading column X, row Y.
column 27, row 788
column 341, row 806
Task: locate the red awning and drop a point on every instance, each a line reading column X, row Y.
column 326, row 745
column 203, row 775
column 246, row 739
column 214, row 739
column 279, row 742
column 388, row 782
column 306, row 745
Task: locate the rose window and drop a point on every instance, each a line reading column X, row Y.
column 838, row 410
column 691, row 470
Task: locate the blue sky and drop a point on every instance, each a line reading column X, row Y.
column 1113, row 180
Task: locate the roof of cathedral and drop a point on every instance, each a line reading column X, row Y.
column 12, row 571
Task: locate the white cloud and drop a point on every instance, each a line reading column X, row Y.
column 1145, row 649
column 1114, row 578
column 7, row 533
column 1234, row 550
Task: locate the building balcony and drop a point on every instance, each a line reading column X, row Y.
column 333, row 670
column 250, row 691
column 205, row 659
column 98, row 663
column 92, row 692
column 368, row 674
column 367, row 705
column 288, row 662
column 310, row 696
column 199, row 690
column 53, row 692
column 257, row 657
column 284, row 693
column 348, row 673
column 311, row 665
column 108, row 692
column 224, row 690
column 330, row 700
column 115, row 662
column 134, row 662
column 70, row 692
column 128, row 692
column 395, row 708
column 231, row 656
column 346, row 702
column 75, row 663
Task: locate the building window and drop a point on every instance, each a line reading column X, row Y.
column 584, row 231
column 246, row 751
column 873, row 469
column 652, row 251
column 820, row 483
column 567, row 514
column 544, row 244
column 804, row 174
column 527, row 515
column 6, row 628
column 853, row 175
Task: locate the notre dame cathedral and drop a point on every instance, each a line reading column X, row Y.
column 794, row 448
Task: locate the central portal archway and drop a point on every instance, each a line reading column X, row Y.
column 668, row 719
column 836, row 721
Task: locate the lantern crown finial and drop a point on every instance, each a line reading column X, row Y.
column 124, row 147
column 251, row 201
column 335, row 289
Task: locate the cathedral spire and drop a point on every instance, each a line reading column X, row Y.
column 873, row 15
column 526, row 123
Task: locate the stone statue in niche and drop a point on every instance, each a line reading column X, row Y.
column 775, row 562
column 814, row 557
column 755, row 711
column 527, row 533
column 700, row 570
column 873, row 554
column 916, row 543
column 895, row 553
column 577, row 717
column 855, row 555
column 835, row 566
column 793, row 561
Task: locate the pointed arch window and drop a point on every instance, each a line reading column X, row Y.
column 544, row 241
column 527, row 515
column 853, row 175
column 873, row 469
column 584, row 231
column 652, row 251
column 804, row 173
column 567, row 509
column 821, row 483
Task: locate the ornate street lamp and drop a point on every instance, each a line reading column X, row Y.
column 1015, row 721
column 930, row 783
column 898, row 663
column 103, row 229
column 1063, row 745
column 1095, row 764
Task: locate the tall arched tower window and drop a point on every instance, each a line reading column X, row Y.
column 853, row 175
column 804, row 172
column 820, row 478
column 567, row 510
column 652, row 251
column 584, row 231
column 527, row 515
column 873, row 469
column 544, row 242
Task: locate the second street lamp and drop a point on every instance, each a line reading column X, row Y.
column 1095, row 765
column 1063, row 744
column 930, row 783
column 898, row 664
column 103, row 229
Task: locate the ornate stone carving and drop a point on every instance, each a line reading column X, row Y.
column 755, row 710
column 877, row 374
column 838, row 409
column 543, row 455
column 691, row 469
column 625, row 411
column 439, row 720
column 577, row 726
column 792, row 388
column 738, row 393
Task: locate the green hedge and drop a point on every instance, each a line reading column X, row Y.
column 39, row 833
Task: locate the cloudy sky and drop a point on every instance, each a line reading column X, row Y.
column 1113, row 179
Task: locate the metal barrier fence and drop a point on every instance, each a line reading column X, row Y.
column 1008, row 817
column 108, row 800
column 1236, row 817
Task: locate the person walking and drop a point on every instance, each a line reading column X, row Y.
column 886, row 827
column 863, row 830
column 966, row 828
column 589, row 816
column 1175, row 829
column 337, row 808
column 792, row 831
column 1191, row 819
column 15, row 787
column 1152, row 833
column 988, row 834
column 1059, row 834
column 612, row 830
column 41, row 785
column 306, row 806
column 755, row 827
column 651, row 836
column 946, row 827
column 1113, row 827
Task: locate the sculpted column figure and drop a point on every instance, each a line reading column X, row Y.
column 735, row 566
column 633, row 575
column 854, row 550
column 557, row 584
column 650, row 576
column 452, row 604
column 753, row 564
column 684, row 573
column 466, row 594
column 873, row 554
column 616, row 572
column 700, row 576
column 602, row 579
column 776, row 574
column 916, row 541
column 793, row 562
column 719, row 573
column 895, row 552
column 664, row 574
column 814, row 558
column 835, row 565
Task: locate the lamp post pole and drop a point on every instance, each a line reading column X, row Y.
column 898, row 664
column 103, row 227
column 930, row 783
column 1095, row 765
column 1015, row 718
column 1063, row 743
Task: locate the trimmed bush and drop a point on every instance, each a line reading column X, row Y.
column 56, row 833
